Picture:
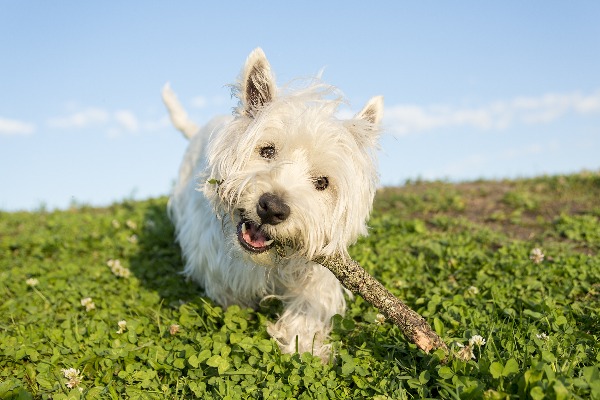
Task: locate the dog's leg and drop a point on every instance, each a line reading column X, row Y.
column 305, row 323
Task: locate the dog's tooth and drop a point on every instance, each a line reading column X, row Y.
column 268, row 242
column 243, row 228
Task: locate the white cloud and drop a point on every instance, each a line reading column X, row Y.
column 588, row 104
column 405, row 119
column 115, row 123
column 157, row 125
column 127, row 120
column 469, row 166
column 199, row 102
column 15, row 127
column 524, row 152
column 459, row 168
column 81, row 119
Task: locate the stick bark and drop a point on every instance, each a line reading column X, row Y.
column 357, row 280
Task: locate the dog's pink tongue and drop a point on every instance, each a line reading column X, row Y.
column 254, row 237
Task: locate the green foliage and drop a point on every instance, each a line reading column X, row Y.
column 433, row 245
column 581, row 228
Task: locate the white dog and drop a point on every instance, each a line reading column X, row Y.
column 263, row 192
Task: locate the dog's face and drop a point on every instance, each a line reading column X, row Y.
column 289, row 172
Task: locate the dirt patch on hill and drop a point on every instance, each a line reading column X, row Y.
column 526, row 209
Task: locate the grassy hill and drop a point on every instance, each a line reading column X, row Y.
column 514, row 262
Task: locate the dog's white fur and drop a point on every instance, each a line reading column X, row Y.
column 287, row 144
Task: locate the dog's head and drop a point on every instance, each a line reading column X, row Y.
column 288, row 171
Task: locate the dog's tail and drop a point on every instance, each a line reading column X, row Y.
column 178, row 115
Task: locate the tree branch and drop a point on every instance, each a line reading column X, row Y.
column 357, row 280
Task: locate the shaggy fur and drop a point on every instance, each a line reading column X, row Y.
column 264, row 191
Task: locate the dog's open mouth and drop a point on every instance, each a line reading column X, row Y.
column 252, row 238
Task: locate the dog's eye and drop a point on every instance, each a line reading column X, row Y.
column 321, row 183
column 267, row 152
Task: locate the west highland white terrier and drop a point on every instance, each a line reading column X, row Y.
column 263, row 192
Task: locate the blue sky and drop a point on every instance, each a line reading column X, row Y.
column 472, row 89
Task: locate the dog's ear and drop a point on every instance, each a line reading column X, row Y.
column 365, row 127
column 373, row 111
column 257, row 87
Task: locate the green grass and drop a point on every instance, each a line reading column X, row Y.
column 457, row 254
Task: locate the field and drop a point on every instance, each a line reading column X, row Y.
column 507, row 272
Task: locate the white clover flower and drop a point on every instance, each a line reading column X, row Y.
column 465, row 353
column 32, row 282
column 118, row 269
column 131, row 225
column 536, row 256
column 88, row 303
column 542, row 336
column 122, row 326
column 476, row 340
column 150, row 224
column 133, row 239
column 174, row 329
column 399, row 283
column 116, row 224
column 380, row 319
column 72, row 375
column 472, row 290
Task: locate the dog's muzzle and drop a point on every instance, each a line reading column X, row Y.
column 272, row 210
column 252, row 238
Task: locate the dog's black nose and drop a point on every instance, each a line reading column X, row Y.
column 271, row 209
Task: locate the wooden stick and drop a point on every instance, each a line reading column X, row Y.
column 357, row 280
